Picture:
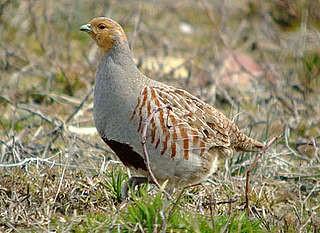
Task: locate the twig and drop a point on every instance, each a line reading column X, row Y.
column 164, row 222
column 58, row 191
column 247, row 192
column 286, row 136
column 38, row 113
column 229, row 201
column 175, row 204
column 96, row 145
column 60, row 183
column 79, row 106
column 30, row 110
column 316, row 149
column 215, row 27
column 306, row 223
column 137, row 22
column 37, row 160
column 292, row 176
column 252, row 166
column 60, row 127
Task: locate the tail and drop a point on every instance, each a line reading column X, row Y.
column 245, row 143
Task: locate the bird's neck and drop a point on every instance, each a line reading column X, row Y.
column 118, row 71
column 119, row 54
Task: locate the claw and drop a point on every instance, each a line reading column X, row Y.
column 131, row 184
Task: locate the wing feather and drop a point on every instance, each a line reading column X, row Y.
column 183, row 123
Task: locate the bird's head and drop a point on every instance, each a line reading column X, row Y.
column 106, row 32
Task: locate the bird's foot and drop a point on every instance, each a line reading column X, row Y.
column 131, row 184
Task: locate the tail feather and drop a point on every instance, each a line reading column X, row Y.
column 245, row 143
column 242, row 142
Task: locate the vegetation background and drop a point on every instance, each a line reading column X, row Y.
column 257, row 61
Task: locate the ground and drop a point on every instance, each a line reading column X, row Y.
column 258, row 62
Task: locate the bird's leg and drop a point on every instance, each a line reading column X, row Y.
column 132, row 183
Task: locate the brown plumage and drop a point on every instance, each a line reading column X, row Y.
column 105, row 32
column 185, row 136
column 198, row 124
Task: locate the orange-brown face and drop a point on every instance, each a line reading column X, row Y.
column 105, row 32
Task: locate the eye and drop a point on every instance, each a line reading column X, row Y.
column 101, row 26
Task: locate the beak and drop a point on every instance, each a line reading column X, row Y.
column 86, row 28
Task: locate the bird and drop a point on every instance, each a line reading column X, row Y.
column 184, row 137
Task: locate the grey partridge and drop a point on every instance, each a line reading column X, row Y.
column 185, row 136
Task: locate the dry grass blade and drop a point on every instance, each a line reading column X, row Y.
column 251, row 167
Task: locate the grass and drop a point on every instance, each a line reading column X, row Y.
column 114, row 184
column 144, row 214
column 56, row 179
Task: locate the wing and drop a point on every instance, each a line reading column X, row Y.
column 181, row 124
